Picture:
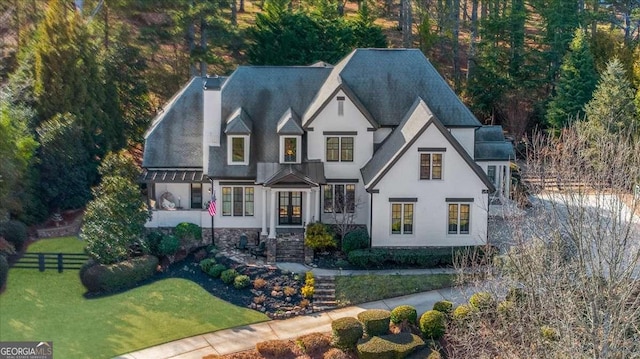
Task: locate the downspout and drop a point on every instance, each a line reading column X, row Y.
column 370, row 219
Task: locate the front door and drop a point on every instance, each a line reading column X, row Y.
column 290, row 208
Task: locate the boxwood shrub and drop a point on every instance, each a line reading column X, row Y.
column 188, row 232
column 14, row 232
column 410, row 257
column 109, row 278
column 346, row 332
column 389, row 346
column 482, row 301
column 375, row 321
column 443, row 306
column 404, row 313
column 228, row 276
column 241, row 281
column 358, row 239
column 216, row 270
column 206, row 264
column 432, row 324
column 461, row 312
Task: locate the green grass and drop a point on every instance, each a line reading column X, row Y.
column 367, row 288
column 51, row 306
column 58, row 245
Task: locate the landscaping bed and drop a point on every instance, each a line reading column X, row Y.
column 273, row 298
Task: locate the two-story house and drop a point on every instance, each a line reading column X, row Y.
column 379, row 137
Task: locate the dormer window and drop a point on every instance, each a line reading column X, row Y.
column 238, row 150
column 290, row 149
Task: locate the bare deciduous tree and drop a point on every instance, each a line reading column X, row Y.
column 574, row 255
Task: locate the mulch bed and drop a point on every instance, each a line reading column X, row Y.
column 276, row 304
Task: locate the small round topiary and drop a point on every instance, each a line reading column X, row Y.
column 432, row 324
column 461, row 312
column 505, row 308
column 403, row 313
column 346, row 332
column 482, row 301
column 229, row 276
column 375, row 321
column 216, row 270
column 206, row 264
column 241, row 281
column 443, row 306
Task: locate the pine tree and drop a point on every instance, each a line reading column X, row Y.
column 612, row 109
column 575, row 85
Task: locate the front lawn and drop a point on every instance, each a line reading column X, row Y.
column 58, row 245
column 51, row 306
column 368, row 288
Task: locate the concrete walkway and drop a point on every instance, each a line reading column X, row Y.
column 244, row 338
column 321, row 272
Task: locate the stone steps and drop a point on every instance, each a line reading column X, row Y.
column 324, row 297
column 290, row 248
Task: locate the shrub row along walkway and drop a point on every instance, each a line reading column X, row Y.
column 245, row 337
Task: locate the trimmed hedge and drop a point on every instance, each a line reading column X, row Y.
column 410, row 257
column 4, row 271
column 394, row 346
column 274, row 349
column 461, row 312
column 375, row 321
column 358, row 239
column 108, row 278
column 432, row 324
column 443, row 306
column 188, row 232
column 404, row 312
column 346, row 332
column 206, row 264
column 216, row 270
column 14, row 232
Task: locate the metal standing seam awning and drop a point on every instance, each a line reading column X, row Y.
column 174, row 176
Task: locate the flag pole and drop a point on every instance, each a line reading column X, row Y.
column 213, row 238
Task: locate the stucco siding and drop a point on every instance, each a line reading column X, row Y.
column 430, row 208
column 466, row 137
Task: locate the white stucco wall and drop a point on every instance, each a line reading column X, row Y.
column 503, row 176
column 380, row 134
column 430, row 210
column 352, row 121
column 466, row 137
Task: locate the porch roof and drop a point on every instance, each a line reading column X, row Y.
column 174, row 175
column 276, row 174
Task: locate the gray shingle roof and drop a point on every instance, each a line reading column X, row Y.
column 410, row 129
column 491, row 145
column 388, row 81
column 175, row 136
column 272, row 174
column 265, row 93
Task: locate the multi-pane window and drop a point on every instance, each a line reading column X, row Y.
column 459, row 219
column 401, row 218
column 237, row 149
column 339, row 198
column 339, row 149
column 237, row 201
column 196, row 195
column 430, row 166
column 290, row 149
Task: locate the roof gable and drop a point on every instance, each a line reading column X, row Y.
column 319, row 104
column 288, row 124
column 239, row 123
column 490, row 145
column 415, row 122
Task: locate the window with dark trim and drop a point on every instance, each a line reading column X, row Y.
column 290, row 149
column 237, row 149
column 402, row 218
column 340, row 105
column 196, row 195
column 430, row 166
column 237, row 201
column 459, row 218
column 339, row 149
column 339, row 198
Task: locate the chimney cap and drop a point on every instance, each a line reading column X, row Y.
column 212, row 82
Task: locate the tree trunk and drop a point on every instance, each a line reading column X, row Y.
column 241, row 9
column 389, row 5
column 407, row 23
column 203, row 46
column 234, row 13
column 472, row 40
column 455, row 12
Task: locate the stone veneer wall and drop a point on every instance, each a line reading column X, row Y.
column 227, row 238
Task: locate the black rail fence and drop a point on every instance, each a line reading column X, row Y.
column 44, row 261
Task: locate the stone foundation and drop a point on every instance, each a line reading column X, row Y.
column 228, row 238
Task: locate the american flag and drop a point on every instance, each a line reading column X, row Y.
column 212, row 205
